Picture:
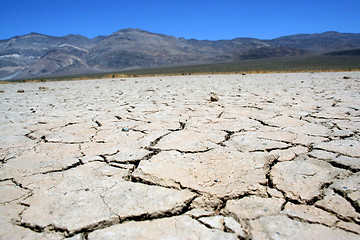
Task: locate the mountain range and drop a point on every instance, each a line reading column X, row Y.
column 38, row 55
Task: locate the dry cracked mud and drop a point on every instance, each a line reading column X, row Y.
column 274, row 156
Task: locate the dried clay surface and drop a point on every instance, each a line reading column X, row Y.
column 258, row 156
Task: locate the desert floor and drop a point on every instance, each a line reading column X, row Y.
column 272, row 156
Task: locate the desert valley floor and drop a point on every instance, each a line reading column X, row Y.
column 257, row 156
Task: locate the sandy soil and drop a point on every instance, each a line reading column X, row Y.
column 259, row 156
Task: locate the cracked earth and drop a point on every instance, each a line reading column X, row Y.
column 260, row 156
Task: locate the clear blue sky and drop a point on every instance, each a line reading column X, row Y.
column 200, row 19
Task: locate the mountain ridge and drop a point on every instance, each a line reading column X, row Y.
column 37, row 55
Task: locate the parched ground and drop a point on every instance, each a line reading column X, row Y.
column 272, row 156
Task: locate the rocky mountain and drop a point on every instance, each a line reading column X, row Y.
column 37, row 55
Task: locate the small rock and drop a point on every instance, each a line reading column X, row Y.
column 213, row 97
column 20, row 91
column 125, row 129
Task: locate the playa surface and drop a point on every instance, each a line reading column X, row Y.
column 258, row 156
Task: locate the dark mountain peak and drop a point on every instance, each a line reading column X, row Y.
column 33, row 33
column 136, row 32
column 330, row 33
column 132, row 37
column 130, row 30
column 77, row 36
column 37, row 35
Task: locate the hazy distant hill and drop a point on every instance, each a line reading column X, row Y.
column 35, row 55
column 352, row 52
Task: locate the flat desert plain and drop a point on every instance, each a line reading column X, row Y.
column 257, row 156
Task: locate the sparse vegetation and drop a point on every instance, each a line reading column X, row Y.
column 291, row 64
column 287, row 64
column 43, row 88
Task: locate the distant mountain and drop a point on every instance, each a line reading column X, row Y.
column 319, row 42
column 352, row 52
column 38, row 55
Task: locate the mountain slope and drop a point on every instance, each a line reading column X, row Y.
column 351, row 52
column 20, row 53
column 35, row 55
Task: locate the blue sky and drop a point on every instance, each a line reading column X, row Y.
column 199, row 19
